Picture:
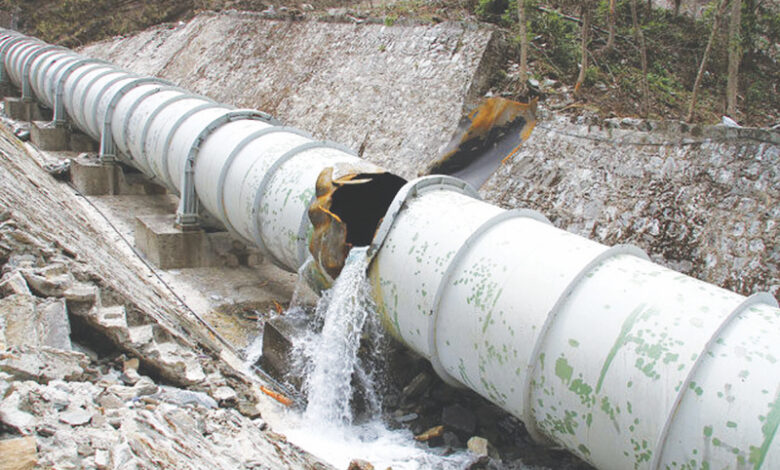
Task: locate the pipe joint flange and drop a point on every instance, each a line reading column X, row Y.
column 221, row 209
column 454, row 263
column 7, row 43
column 261, row 189
column 58, row 87
column 107, row 147
column 26, row 85
column 408, row 192
column 188, row 207
column 755, row 299
column 552, row 317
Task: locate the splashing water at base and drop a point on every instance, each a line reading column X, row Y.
column 331, row 365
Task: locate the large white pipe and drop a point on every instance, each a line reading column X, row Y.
column 624, row 362
column 252, row 175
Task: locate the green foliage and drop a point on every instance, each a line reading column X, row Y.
column 491, row 10
column 561, row 40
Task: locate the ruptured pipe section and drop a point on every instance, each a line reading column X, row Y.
column 624, row 362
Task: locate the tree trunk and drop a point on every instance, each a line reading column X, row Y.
column 640, row 39
column 677, row 4
column 585, row 37
column 735, row 57
column 611, row 37
column 705, row 58
column 521, row 21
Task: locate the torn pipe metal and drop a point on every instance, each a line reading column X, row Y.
column 623, row 362
column 491, row 134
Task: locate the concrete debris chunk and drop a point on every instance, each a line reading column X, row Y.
column 82, row 292
column 53, row 315
column 13, row 417
column 19, row 317
column 140, row 335
column 482, row 447
column 18, row 454
column 225, row 395
column 45, row 364
column 181, row 397
column 51, row 281
column 360, row 464
column 182, row 364
column 14, row 283
column 77, row 417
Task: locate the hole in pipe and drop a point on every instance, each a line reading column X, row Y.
column 347, row 212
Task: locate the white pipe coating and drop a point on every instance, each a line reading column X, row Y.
column 624, row 362
column 253, row 176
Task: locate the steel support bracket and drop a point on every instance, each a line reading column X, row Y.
column 27, row 92
column 60, row 116
column 187, row 215
column 107, row 151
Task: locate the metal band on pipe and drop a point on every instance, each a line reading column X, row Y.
column 25, row 78
column 17, row 55
column 8, row 42
column 164, row 157
column 126, row 122
column 145, row 132
column 255, row 223
column 409, row 191
column 552, row 317
column 107, row 147
column 755, row 299
column 99, row 97
column 59, row 105
column 36, row 70
column 187, row 213
column 447, row 275
column 221, row 209
column 81, row 109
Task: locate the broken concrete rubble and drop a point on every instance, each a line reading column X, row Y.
column 117, row 404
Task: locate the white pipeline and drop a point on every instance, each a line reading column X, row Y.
column 624, row 362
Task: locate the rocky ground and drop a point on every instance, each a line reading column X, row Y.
column 99, row 367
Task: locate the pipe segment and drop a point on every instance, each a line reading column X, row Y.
column 234, row 163
column 624, row 362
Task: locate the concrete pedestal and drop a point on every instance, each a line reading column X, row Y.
column 6, row 89
column 17, row 109
column 279, row 335
column 167, row 246
column 46, row 136
column 170, row 247
column 80, row 142
column 93, row 178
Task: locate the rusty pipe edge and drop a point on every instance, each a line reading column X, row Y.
column 624, row 362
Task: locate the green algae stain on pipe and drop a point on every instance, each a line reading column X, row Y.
column 628, row 324
column 769, row 429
